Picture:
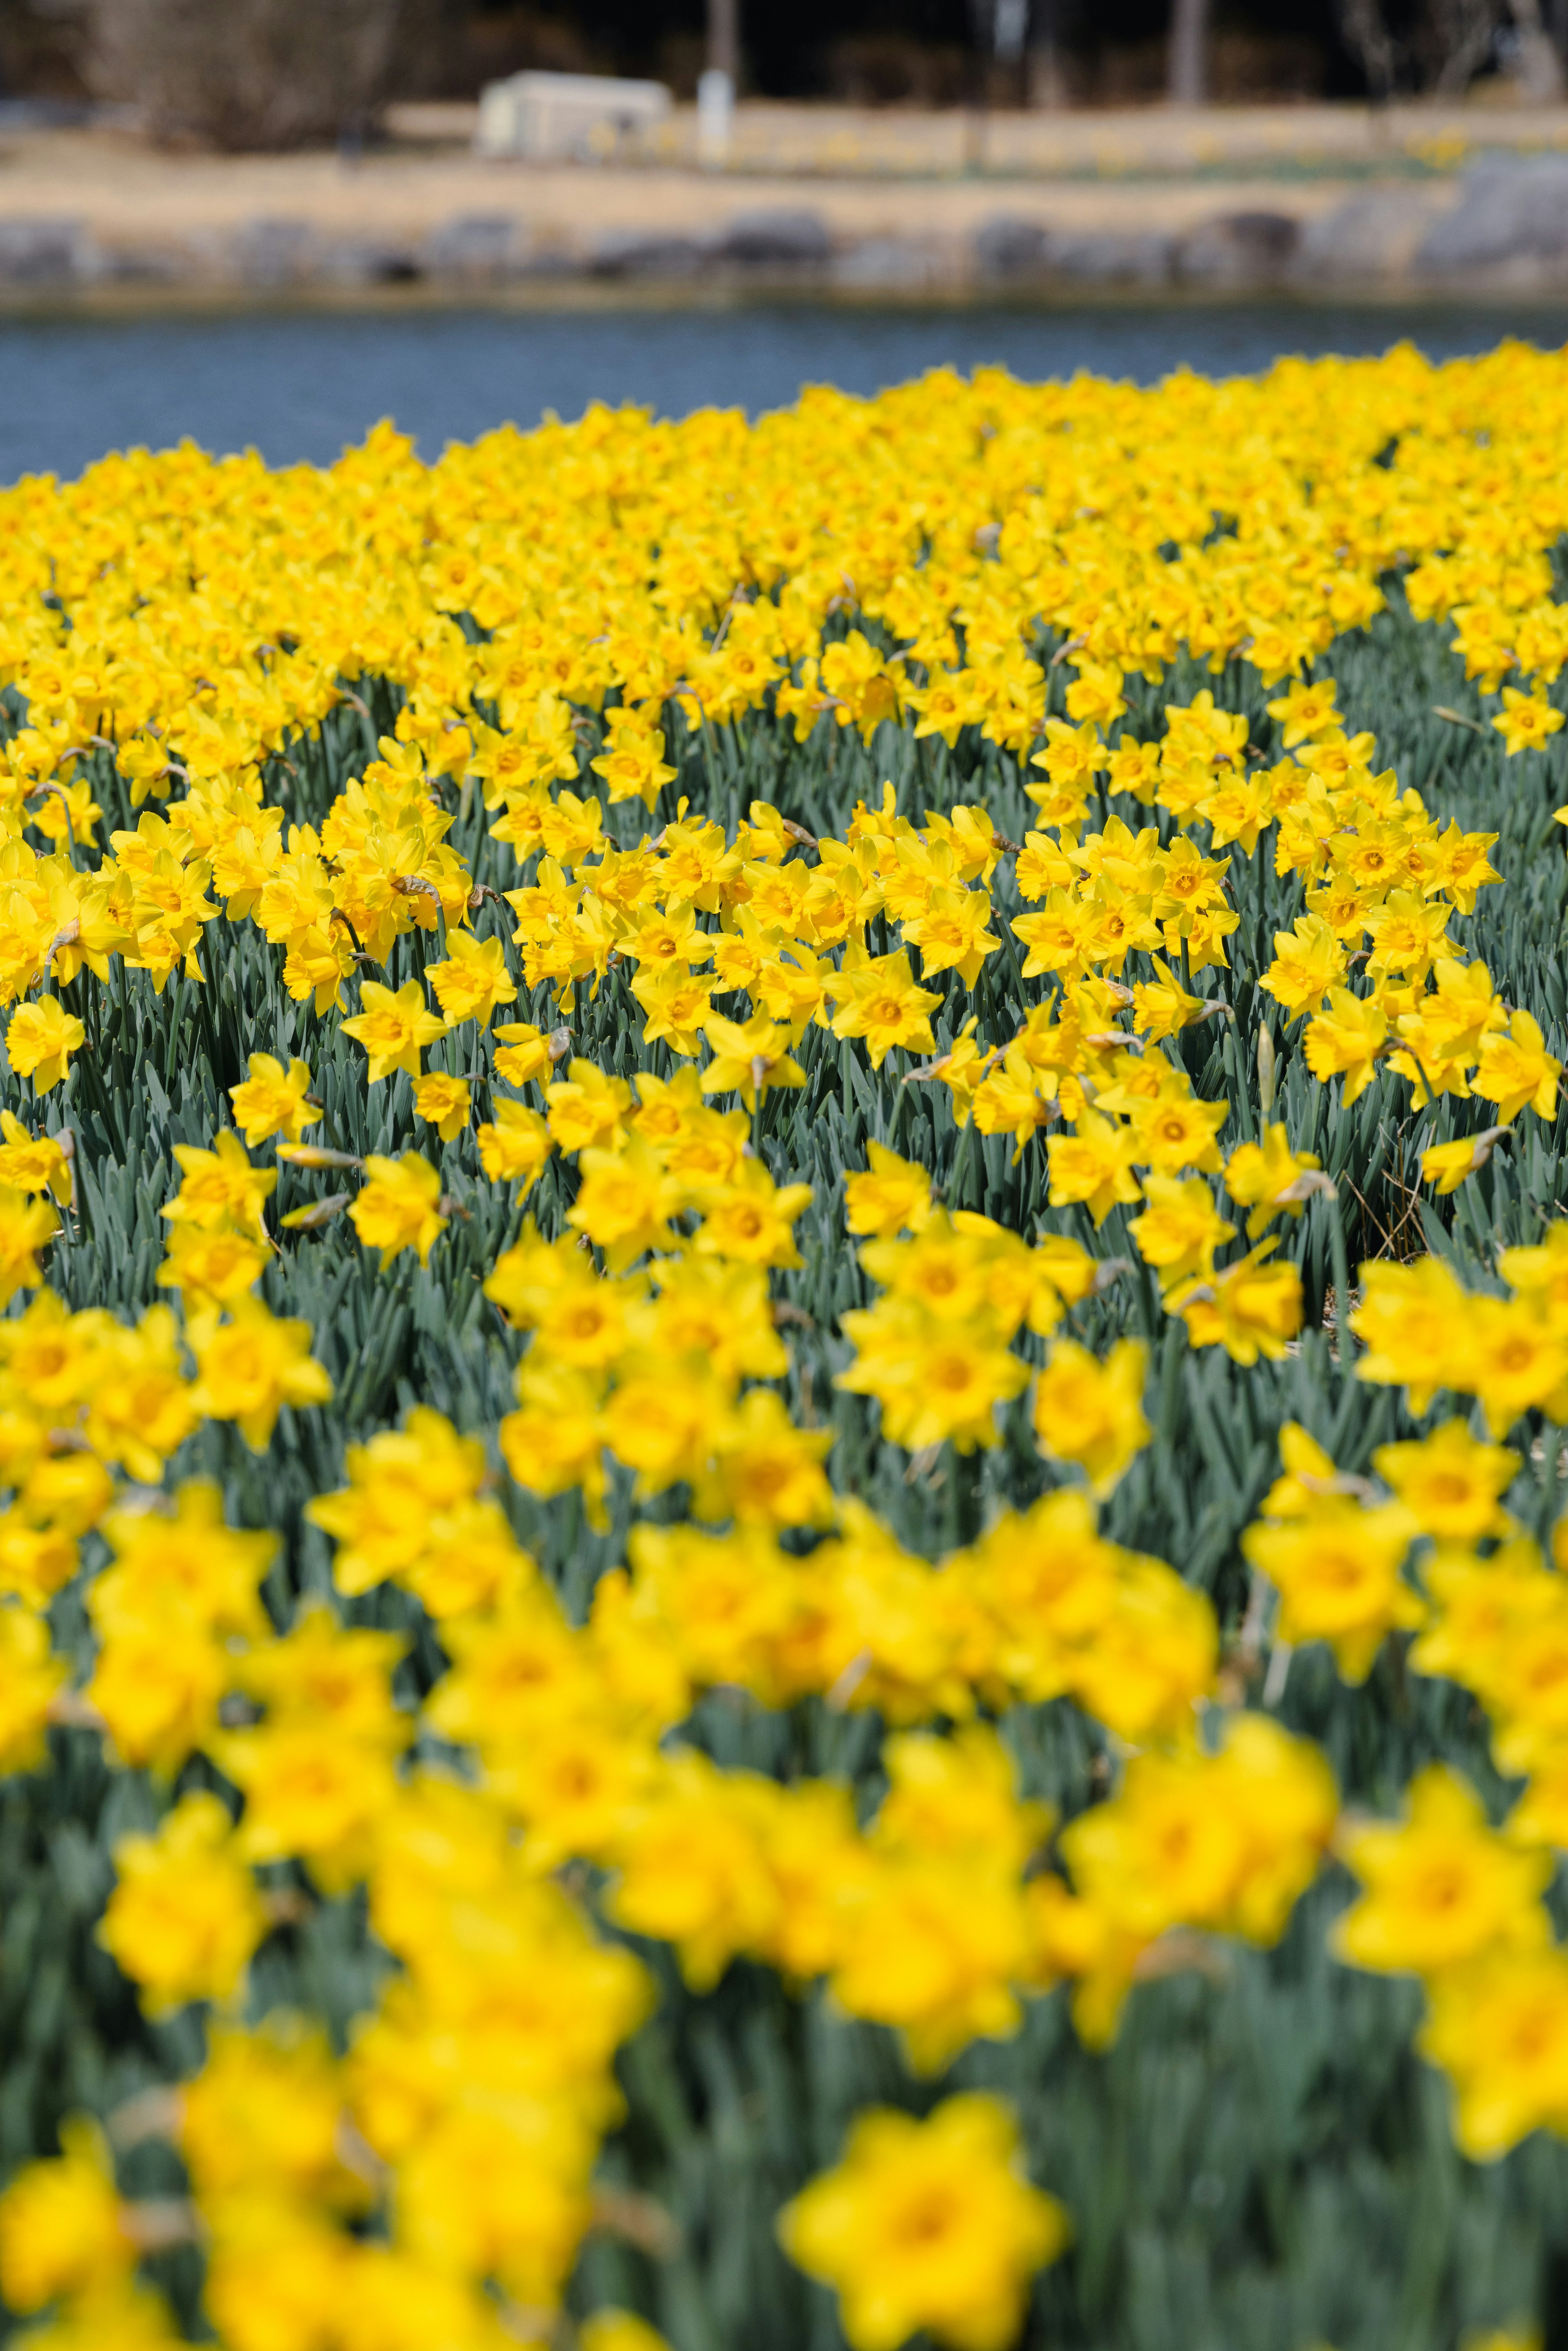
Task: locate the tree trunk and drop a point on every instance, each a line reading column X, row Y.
column 1362, row 24
column 1189, row 52
column 1044, row 82
column 1540, row 67
column 724, row 38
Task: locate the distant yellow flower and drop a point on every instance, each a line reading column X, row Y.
column 443, row 1102
column 933, row 1379
column 249, row 1367
column 220, row 1187
column 1511, row 1360
column 1439, row 1888
column 61, row 2226
column 587, row 1107
column 1337, row 1571
column 311, row 1793
column 878, row 1001
column 1498, row 2029
column 1451, row 1481
column 1180, row 1229
column 1094, row 1165
column 319, row 961
column 1517, row 1070
column 766, row 1471
column 473, row 980
column 1092, row 1413
column 396, row 1208
column 40, row 1041
column 621, row 2330
column 927, row 2226
column 1249, row 1308
column 1175, row 1132
column 893, row 1196
column 1162, row 1007
column 215, row 1268
column 953, row 932
column 1269, row 1177
column 1527, row 721
column 393, row 1027
column 1309, row 963
column 1411, row 1319
column 30, row 1679
column 750, row 1221
column 1446, row 1165
column 1347, row 1041
column 272, row 1100
column 185, row 1914
column 522, row 1051
column 25, row 1225
column 514, row 1147
column 749, row 1058
column 34, row 1163
column 624, row 1203
column 1305, row 711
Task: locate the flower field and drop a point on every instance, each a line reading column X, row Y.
column 784, row 1235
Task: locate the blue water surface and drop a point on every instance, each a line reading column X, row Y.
column 299, row 384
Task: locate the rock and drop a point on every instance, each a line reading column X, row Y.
column 45, row 251
column 1238, row 249
column 887, row 264
column 777, row 240
column 1112, row 257
column 1372, row 237
column 1511, row 213
column 268, row 252
column 369, row 261
column 1013, row 252
column 144, row 264
column 622, row 252
column 477, row 248
column 1009, row 251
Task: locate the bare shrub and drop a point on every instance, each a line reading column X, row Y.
column 258, row 74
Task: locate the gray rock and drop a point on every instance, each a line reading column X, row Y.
column 369, row 261
column 144, row 263
column 477, row 248
column 1112, row 257
column 47, row 251
column 887, row 264
column 1012, row 251
column 622, row 253
column 1238, row 249
column 1510, row 211
column 1369, row 238
column 777, row 240
column 268, row 252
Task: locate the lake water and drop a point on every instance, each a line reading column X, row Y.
column 298, row 384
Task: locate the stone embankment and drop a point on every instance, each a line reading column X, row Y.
column 1143, row 205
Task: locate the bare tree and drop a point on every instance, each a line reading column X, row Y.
column 1447, row 43
column 724, row 38
column 1188, row 69
column 1540, row 65
column 252, row 73
column 1044, row 81
column 1465, row 31
column 1366, row 37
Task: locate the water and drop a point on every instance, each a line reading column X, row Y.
column 299, row 385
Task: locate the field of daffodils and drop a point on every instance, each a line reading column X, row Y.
column 784, row 1379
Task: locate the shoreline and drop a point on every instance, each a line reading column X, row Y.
column 94, row 218
column 593, row 296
